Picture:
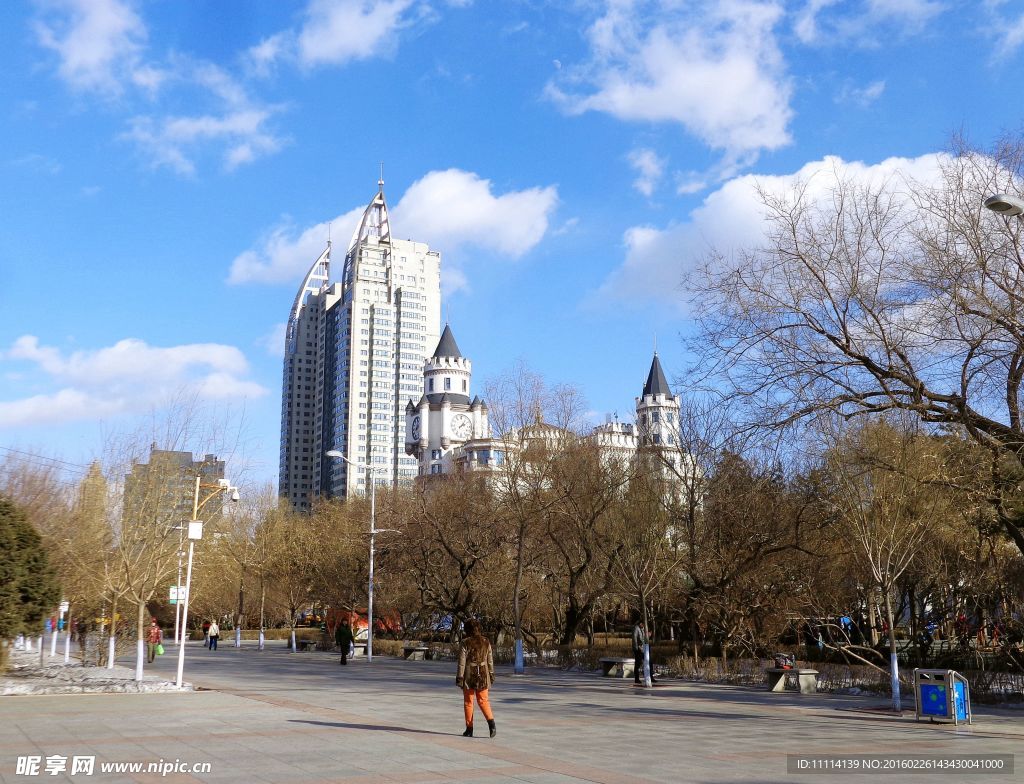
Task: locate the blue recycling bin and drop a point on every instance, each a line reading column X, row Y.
column 942, row 695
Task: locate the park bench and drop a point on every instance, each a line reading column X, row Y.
column 414, row 652
column 613, row 667
column 305, row 645
column 806, row 680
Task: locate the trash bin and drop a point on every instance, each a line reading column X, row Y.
column 942, row 695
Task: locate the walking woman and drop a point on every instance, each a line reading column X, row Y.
column 476, row 674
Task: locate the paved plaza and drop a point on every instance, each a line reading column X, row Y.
column 281, row 717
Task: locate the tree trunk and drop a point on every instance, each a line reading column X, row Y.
column 872, row 615
column 519, row 667
column 894, row 666
column 140, row 642
column 112, row 638
column 241, row 611
column 263, row 602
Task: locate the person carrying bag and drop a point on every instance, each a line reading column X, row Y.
column 475, row 675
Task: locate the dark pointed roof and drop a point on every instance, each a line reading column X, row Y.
column 410, row 406
column 656, row 383
column 447, row 347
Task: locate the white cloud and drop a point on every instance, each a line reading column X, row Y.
column 125, row 378
column 273, row 341
column 829, row 22
column 715, row 69
column 334, row 32
column 99, row 43
column 861, row 96
column 1004, row 27
column 286, row 253
column 40, row 163
column 448, row 210
column 649, row 167
column 453, row 208
column 729, row 219
column 236, row 123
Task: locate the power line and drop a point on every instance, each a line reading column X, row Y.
column 39, row 459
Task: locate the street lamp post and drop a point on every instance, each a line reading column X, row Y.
column 1005, row 204
column 195, row 532
column 373, row 532
column 177, row 587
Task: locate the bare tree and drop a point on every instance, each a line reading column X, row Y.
column 521, row 402
column 887, row 507
column 893, row 296
column 450, row 541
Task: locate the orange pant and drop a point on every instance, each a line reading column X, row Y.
column 482, row 701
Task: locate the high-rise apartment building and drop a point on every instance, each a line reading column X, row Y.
column 163, row 489
column 354, row 353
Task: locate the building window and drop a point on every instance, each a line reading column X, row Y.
column 657, row 438
column 465, row 385
column 656, row 417
column 435, row 469
column 435, row 454
column 447, row 384
column 430, row 385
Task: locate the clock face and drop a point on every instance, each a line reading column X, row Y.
column 462, row 426
column 415, row 427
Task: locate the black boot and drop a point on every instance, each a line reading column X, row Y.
column 469, row 731
column 494, row 730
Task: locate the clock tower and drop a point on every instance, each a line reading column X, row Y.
column 444, row 418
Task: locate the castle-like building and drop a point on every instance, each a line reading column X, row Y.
column 448, row 432
column 358, row 347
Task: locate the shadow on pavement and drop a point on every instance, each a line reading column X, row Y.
column 381, row 727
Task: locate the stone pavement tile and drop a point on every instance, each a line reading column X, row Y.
column 284, row 718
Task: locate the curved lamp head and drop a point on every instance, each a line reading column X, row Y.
column 234, row 495
column 1005, row 204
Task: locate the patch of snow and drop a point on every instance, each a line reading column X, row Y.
column 26, row 676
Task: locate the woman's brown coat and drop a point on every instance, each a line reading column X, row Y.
column 476, row 665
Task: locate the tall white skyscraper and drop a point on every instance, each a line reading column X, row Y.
column 354, row 353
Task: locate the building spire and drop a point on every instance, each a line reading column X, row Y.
column 447, row 347
column 656, row 381
column 380, row 182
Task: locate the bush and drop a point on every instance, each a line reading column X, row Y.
column 29, row 590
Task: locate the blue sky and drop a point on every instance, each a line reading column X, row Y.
column 169, row 170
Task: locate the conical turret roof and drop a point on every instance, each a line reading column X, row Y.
column 447, row 347
column 656, row 382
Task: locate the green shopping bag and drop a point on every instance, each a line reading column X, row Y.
column 159, row 649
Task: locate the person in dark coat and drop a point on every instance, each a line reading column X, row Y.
column 343, row 637
column 640, row 639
